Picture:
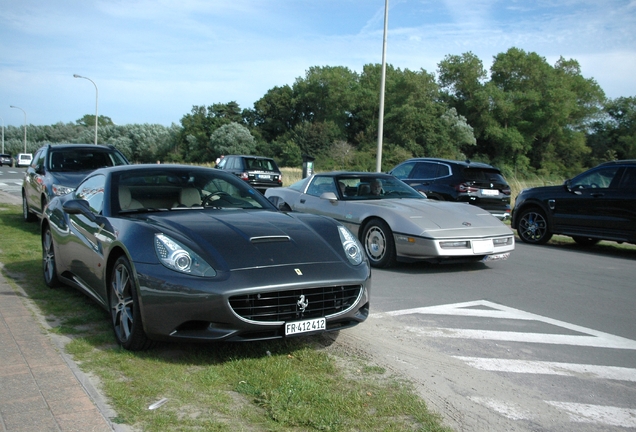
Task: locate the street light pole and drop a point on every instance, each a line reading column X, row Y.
column 2, row 134
column 378, row 162
column 96, row 101
column 25, row 123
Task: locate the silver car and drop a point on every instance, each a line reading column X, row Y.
column 394, row 222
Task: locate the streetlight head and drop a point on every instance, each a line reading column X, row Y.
column 11, row 106
column 76, row 76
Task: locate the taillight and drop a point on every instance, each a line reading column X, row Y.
column 465, row 187
column 506, row 191
column 280, row 179
column 244, row 176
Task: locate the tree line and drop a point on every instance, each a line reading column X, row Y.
column 523, row 115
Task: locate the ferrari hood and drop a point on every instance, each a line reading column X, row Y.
column 241, row 239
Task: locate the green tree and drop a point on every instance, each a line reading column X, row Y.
column 232, row 138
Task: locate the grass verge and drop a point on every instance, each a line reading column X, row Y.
column 300, row 384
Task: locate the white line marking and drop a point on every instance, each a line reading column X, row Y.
column 592, row 337
column 584, row 413
column 505, row 408
column 551, row 368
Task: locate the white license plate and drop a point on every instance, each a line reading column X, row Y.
column 298, row 327
column 490, row 192
column 496, row 257
column 483, row 247
column 264, row 177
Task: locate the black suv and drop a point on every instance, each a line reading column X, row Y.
column 58, row 169
column 461, row 181
column 599, row 204
column 260, row 172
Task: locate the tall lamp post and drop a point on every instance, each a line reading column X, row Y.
column 2, row 134
column 96, row 101
column 378, row 162
column 24, row 124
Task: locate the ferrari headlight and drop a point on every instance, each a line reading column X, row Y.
column 61, row 190
column 351, row 246
column 180, row 258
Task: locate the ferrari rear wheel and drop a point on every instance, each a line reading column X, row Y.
column 124, row 307
column 379, row 244
column 49, row 268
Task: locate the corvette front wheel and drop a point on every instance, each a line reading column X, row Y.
column 379, row 245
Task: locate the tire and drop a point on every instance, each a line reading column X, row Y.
column 285, row 208
column 26, row 213
column 49, row 264
column 585, row 241
column 124, row 307
column 533, row 227
column 379, row 245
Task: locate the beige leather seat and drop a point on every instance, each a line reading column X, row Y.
column 126, row 202
column 189, row 197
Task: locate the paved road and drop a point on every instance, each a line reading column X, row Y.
column 11, row 179
column 543, row 341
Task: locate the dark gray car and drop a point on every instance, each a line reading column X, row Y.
column 57, row 170
column 6, row 159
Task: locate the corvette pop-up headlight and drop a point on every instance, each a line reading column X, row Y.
column 351, row 246
column 180, row 258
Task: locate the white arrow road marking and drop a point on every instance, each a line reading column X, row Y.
column 581, row 413
column 592, row 338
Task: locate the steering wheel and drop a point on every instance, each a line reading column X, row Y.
column 207, row 201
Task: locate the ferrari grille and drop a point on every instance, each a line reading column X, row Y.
column 296, row 304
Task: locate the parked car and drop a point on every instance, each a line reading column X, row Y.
column 260, row 172
column 183, row 253
column 23, row 159
column 394, row 222
column 475, row 183
column 58, row 169
column 6, row 159
column 599, row 204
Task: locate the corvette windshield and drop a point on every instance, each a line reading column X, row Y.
column 137, row 191
column 364, row 187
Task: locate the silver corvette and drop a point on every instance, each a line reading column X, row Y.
column 395, row 222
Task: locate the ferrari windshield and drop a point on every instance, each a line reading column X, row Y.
column 361, row 187
column 181, row 188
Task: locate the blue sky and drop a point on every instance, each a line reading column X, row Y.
column 152, row 60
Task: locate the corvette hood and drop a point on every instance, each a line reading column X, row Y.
column 441, row 217
column 241, row 239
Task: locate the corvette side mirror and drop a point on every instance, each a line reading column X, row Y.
column 330, row 196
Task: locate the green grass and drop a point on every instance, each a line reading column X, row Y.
column 301, row 384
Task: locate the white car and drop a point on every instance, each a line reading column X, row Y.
column 396, row 223
column 24, row 159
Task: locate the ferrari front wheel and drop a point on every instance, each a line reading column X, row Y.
column 379, row 245
column 124, row 308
